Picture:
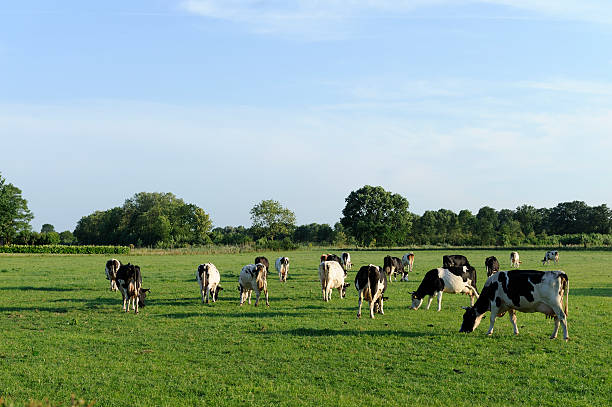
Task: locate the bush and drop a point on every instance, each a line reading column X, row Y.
column 57, row 249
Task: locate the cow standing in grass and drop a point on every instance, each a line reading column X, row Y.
column 371, row 283
column 129, row 281
column 253, row 277
column 282, row 267
column 491, row 265
column 208, row 278
column 451, row 280
column 408, row 262
column 392, row 266
column 551, row 255
column 112, row 266
column 515, row 260
column 331, row 275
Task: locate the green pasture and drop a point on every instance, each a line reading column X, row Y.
column 63, row 332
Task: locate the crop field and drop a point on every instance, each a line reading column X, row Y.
column 63, row 333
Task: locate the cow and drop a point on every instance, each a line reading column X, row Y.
column 524, row 291
column 392, row 266
column 253, row 277
column 452, row 280
column 331, row 275
column 491, row 265
column 129, row 282
column 551, row 255
column 454, row 260
column 282, row 267
column 111, row 273
column 407, row 261
column 371, row 283
column 515, row 260
column 263, row 260
column 346, row 261
column 333, row 257
column 208, row 279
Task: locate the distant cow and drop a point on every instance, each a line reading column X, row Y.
column 551, row 255
column 521, row 290
column 452, row 280
column 454, row 260
column 371, row 282
column 491, row 265
column 208, row 278
column 407, row 261
column 263, row 260
column 112, row 266
column 346, row 261
column 392, row 266
column 253, row 277
column 515, row 260
column 331, row 275
column 129, row 282
column 282, row 267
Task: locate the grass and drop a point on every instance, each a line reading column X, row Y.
column 63, row 334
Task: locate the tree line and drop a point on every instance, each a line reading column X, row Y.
column 372, row 217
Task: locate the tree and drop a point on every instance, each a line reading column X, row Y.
column 271, row 220
column 372, row 214
column 46, row 228
column 15, row 216
column 487, row 224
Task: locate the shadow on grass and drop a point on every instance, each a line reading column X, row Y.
column 262, row 314
column 314, row 332
column 30, row 288
column 58, row 310
column 591, row 292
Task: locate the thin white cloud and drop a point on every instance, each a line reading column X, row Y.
column 570, row 86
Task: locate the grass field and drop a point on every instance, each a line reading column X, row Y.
column 63, row 333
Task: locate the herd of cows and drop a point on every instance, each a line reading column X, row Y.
column 503, row 292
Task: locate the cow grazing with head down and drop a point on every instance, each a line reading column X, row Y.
column 346, row 261
column 392, row 266
column 515, row 259
column 282, row 267
column 452, row 280
column 331, row 275
column 371, row 282
column 129, row 282
column 551, row 255
column 208, row 278
column 263, row 260
column 408, row 262
column 454, row 260
column 521, row 290
column 491, row 265
column 253, row 277
column 112, row 266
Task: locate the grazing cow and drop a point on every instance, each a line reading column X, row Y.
column 515, row 260
column 253, row 277
column 129, row 281
column 111, row 273
column 491, row 265
column 282, row 266
column 346, row 261
column 452, row 280
column 521, row 290
column 551, row 255
column 371, row 282
column 454, row 260
column 392, row 266
column 331, row 276
column 208, row 278
column 263, row 260
column 407, row 261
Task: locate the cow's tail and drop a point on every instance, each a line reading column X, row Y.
column 565, row 287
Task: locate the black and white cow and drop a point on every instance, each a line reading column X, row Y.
column 407, row 261
column 521, row 290
column 253, row 277
column 392, row 266
column 454, row 260
column 515, row 260
column 208, row 278
column 491, row 265
column 282, row 267
column 111, row 273
column 129, row 282
column 551, row 255
column 452, row 280
column 346, row 261
column 371, row 283
column 263, row 260
column 331, row 275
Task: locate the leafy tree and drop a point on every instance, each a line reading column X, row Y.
column 373, row 214
column 15, row 216
column 67, row 238
column 487, row 224
column 272, row 220
column 569, row 217
column 529, row 218
column 600, row 219
column 46, row 228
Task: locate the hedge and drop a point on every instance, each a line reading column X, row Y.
column 60, row 249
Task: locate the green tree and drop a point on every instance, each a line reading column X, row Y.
column 529, row 218
column 15, row 216
column 46, row 228
column 271, row 220
column 487, row 224
column 373, row 214
column 67, row 238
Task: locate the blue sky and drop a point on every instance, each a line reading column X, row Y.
column 454, row 104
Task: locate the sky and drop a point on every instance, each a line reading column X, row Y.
column 454, row 104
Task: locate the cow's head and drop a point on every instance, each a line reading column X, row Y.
column 344, row 287
column 216, row 293
column 471, row 320
column 262, row 282
column 142, row 294
column 416, row 301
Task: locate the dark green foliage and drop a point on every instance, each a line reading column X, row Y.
column 271, row 220
column 61, row 249
column 15, row 216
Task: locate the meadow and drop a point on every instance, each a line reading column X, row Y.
column 63, row 333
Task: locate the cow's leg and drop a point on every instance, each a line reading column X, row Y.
column 360, row 302
column 202, row 293
column 439, row 300
column 372, row 303
column 267, row 302
column 494, row 311
column 125, row 301
column 242, row 297
column 429, row 302
column 136, row 302
column 249, row 296
column 560, row 317
column 512, row 315
column 382, row 311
